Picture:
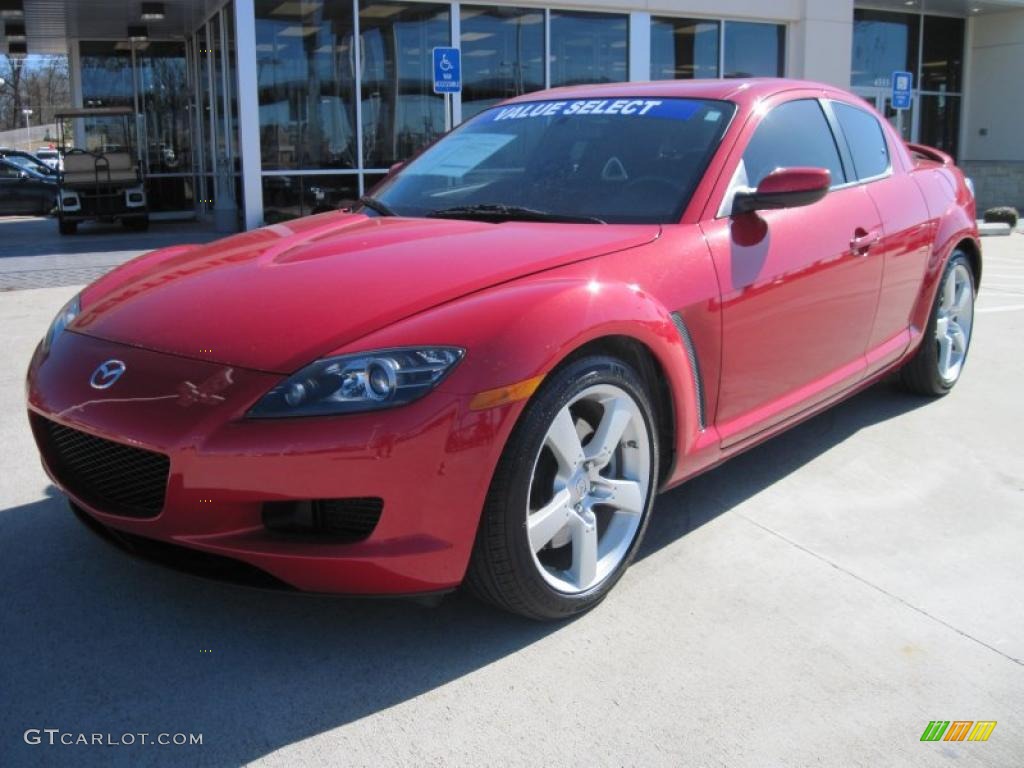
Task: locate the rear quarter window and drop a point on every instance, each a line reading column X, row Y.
column 865, row 139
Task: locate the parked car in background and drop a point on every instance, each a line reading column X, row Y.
column 51, row 157
column 27, row 160
column 23, row 190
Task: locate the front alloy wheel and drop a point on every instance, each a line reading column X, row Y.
column 586, row 503
column 572, row 493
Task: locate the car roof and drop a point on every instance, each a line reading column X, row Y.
column 743, row 91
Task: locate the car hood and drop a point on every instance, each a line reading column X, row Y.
column 274, row 299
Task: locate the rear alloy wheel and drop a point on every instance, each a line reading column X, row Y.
column 572, row 494
column 936, row 366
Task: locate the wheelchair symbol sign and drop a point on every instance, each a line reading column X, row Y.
column 447, row 70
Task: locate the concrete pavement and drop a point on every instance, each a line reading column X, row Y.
column 816, row 601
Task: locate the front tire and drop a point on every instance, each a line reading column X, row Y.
column 67, row 227
column 570, row 499
column 938, row 362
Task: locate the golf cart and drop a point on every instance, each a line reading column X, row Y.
column 103, row 181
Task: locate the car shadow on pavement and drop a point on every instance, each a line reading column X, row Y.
column 705, row 497
column 98, row 642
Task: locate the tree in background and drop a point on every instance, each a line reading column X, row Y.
column 37, row 81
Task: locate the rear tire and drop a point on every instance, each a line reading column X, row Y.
column 938, row 362
column 67, row 227
column 570, row 499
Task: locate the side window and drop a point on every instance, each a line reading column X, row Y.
column 793, row 134
column 9, row 171
column 865, row 138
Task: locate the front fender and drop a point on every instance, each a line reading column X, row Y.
column 524, row 329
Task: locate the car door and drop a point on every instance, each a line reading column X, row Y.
column 10, row 180
column 906, row 230
column 799, row 286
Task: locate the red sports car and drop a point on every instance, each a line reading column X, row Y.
column 485, row 372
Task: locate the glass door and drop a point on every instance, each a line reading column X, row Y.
column 215, row 119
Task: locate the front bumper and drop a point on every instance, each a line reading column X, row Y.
column 430, row 462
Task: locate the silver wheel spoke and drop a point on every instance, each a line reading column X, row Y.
column 547, row 521
column 564, row 442
column 625, row 495
column 948, row 294
column 958, row 339
column 616, row 418
column 945, row 353
column 584, row 554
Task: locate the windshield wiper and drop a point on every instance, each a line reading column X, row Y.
column 376, row 205
column 494, row 211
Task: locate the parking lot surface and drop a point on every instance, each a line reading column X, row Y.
column 816, row 601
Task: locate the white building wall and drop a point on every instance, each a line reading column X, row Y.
column 995, row 107
column 821, row 42
column 992, row 151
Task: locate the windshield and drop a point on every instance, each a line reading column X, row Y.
column 612, row 160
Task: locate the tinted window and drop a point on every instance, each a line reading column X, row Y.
column 883, row 43
column 791, row 135
column 619, row 160
column 682, row 49
column 502, row 55
column 942, row 61
column 865, row 139
column 588, row 48
column 754, row 50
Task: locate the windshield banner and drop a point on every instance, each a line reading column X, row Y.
column 676, row 109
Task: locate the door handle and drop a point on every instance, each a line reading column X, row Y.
column 862, row 241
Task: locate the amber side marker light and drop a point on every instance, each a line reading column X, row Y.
column 511, row 393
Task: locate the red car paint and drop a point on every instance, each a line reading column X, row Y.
column 788, row 311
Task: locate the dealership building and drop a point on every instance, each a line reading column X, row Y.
column 255, row 111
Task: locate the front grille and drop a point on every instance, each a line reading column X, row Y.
column 340, row 519
column 111, row 477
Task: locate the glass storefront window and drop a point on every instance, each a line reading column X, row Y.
column 164, row 94
column 106, row 68
column 588, row 48
column 754, row 50
column 940, row 122
column 883, row 43
column 400, row 111
column 943, row 54
column 306, row 82
column 289, row 197
column 502, row 54
column 682, row 49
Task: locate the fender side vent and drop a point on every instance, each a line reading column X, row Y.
column 691, row 354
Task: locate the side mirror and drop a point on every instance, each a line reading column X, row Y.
column 785, row 188
column 396, row 167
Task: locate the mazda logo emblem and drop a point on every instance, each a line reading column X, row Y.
column 107, row 374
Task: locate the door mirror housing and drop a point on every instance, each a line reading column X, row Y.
column 785, row 188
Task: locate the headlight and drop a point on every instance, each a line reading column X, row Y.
column 360, row 382
column 63, row 319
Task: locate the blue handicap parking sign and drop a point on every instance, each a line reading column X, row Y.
column 447, row 70
column 902, row 84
